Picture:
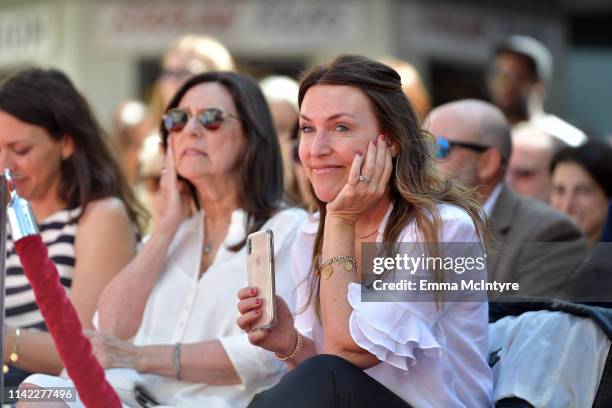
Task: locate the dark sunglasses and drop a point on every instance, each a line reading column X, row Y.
column 211, row 118
column 445, row 146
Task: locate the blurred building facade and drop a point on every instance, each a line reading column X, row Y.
column 111, row 48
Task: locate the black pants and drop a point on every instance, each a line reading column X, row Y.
column 15, row 376
column 513, row 403
column 326, row 381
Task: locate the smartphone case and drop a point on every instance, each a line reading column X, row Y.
column 260, row 265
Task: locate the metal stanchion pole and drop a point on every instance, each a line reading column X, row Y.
column 3, row 222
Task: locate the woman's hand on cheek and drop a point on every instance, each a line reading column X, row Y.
column 175, row 202
column 367, row 182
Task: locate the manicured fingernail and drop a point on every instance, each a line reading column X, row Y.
column 382, row 137
column 359, row 153
column 258, row 302
column 374, row 142
column 253, row 291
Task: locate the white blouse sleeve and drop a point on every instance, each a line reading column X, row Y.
column 395, row 332
column 305, row 317
column 251, row 362
column 399, row 333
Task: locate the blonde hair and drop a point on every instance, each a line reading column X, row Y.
column 412, row 85
column 277, row 88
column 207, row 54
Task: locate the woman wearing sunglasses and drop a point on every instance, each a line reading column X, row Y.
column 187, row 56
column 221, row 180
column 374, row 179
column 55, row 150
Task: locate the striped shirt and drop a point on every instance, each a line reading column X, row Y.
column 58, row 233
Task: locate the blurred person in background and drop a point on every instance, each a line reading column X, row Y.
column 529, row 166
column 607, row 233
column 129, row 129
column 582, row 186
column 187, row 56
column 519, row 72
column 607, row 237
column 473, row 145
column 305, row 191
column 151, row 161
column 412, row 85
column 281, row 94
column 168, row 319
column 55, row 150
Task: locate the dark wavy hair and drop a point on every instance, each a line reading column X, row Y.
column 260, row 174
column 594, row 157
column 48, row 99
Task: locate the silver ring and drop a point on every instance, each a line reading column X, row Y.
column 364, row 179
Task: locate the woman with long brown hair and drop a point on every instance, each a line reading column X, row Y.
column 372, row 171
column 60, row 163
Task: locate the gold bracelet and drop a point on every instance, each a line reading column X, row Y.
column 326, row 270
column 14, row 356
column 298, row 347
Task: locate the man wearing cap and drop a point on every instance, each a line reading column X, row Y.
column 473, row 147
column 519, row 73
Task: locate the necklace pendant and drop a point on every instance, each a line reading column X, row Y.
column 207, row 249
column 327, row 272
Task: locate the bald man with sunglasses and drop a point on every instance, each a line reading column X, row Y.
column 473, row 145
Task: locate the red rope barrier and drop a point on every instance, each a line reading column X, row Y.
column 64, row 325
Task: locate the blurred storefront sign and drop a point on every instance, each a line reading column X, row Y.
column 27, row 33
column 256, row 25
column 461, row 31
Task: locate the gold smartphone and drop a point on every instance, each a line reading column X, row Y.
column 260, row 266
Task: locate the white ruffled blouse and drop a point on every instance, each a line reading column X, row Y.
column 431, row 355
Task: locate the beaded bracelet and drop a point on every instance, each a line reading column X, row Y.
column 176, row 360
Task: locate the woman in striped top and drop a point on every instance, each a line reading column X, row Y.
column 88, row 217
